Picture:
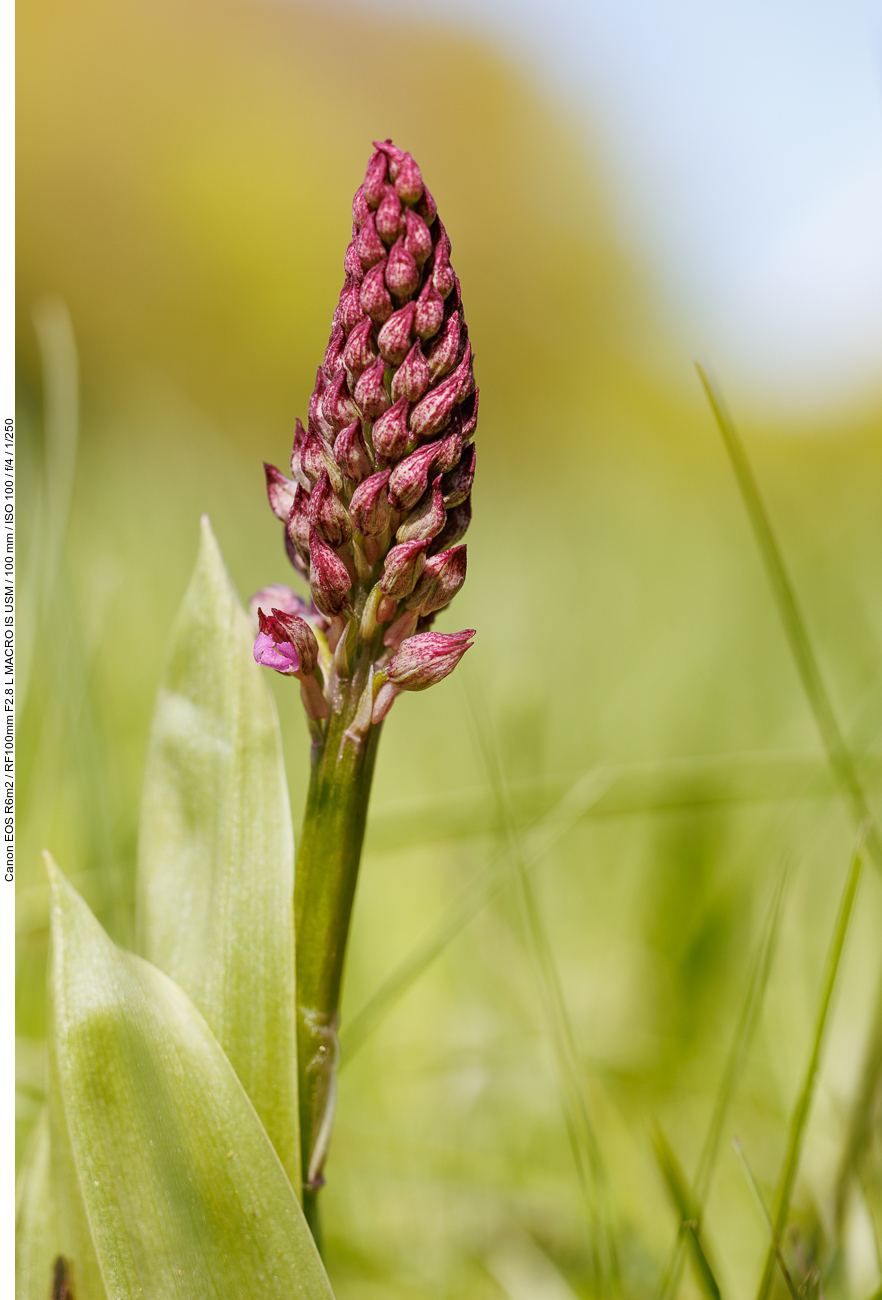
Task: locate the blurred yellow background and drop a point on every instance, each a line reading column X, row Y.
column 185, row 178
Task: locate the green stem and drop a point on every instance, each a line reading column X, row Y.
column 326, row 872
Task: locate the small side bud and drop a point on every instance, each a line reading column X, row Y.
column 429, row 312
column 427, row 207
column 297, row 523
column 431, row 414
column 457, row 485
column 390, row 218
column 409, row 181
column 402, row 276
column 297, row 448
column 352, row 266
column 469, row 413
column 279, row 490
column 442, row 357
column 410, row 477
column 327, row 515
column 411, row 379
column 360, row 207
column 350, row 308
column 443, row 276
column 351, row 453
column 402, row 568
column 359, row 352
column 389, row 434
column 333, row 352
column 337, row 404
column 375, row 179
column 316, row 457
column 458, row 520
column 374, row 299
column 328, row 577
column 369, row 506
column 418, row 240
column 426, row 520
column 426, row 659
column 394, row 337
column 369, row 245
column 403, row 627
column 439, row 582
column 370, row 391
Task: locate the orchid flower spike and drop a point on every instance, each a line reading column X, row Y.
column 379, row 501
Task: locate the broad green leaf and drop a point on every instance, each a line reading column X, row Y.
column 216, row 850
column 183, row 1192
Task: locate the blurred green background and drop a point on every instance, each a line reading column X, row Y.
column 185, row 178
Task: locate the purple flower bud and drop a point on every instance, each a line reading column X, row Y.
column 412, row 377
column 359, row 352
column 369, row 506
column 427, row 519
column 386, row 607
column 350, row 308
column 371, row 248
column 360, row 207
column 428, row 658
column 297, row 523
column 409, row 181
column 402, row 568
column 295, row 558
column 328, row 577
column 443, row 276
column 352, row 262
column 402, row 276
column 442, row 357
column 327, row 515
column 351, row 453
column 333, row 353
column 394, row 337
column 375, row 298
column 431, row 414
column 337, row 405
column 274, row 650
column 316, row 405
column 469, row 412
column 457, row 485
column 279, row 490
column 429, row 312
column 458, row 520
column 395, row 156
column 427, row 207
column 370, row 391
column 316, row 456
column 299, row 634
column 296, row 450
column 390, row 218
column 410, row 477
column 375, row 179
column 390, row 434
column 449, row 451
column 441, row 579
column 418, row 241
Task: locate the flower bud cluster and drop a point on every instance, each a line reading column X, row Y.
column 379, row 497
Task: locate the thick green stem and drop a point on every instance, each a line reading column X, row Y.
column 326, row 873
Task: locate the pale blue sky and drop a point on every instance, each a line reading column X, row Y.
column 744, row 139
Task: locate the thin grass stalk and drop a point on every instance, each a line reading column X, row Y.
column 804, row 1100
column 859, row 1135
column 758, row 1198
column 838, row 753
column 688, row 1211
column 587, row 1156
column 747, row 1023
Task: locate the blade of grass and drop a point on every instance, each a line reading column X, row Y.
column 860, row 1127
column 747, row 1022
column 559, row 819
column 757, row 1196
column 686, row 1208
column 806, row 1093
column 838, row 754
column 583, row 1139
